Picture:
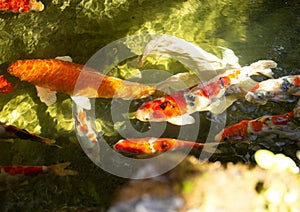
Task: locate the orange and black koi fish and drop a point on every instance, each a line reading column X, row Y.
column 278, row 124
column 150, row 145
column 177, row 107
column 5, row 85
column 275, row 90
column 11, row 132
column 21, row 6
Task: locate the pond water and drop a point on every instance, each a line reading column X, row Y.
column 254, row 30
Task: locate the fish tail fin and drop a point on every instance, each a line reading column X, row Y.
column 229, row 57
column 50, row 142
column 263, row 67
column 209, row 147
column 59, row 169
column 178, row 81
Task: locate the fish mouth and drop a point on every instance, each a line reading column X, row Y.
column 251, row 97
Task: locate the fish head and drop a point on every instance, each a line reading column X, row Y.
column 146, row 146
column 135, row 146
column 262, row 92
column 159, row 110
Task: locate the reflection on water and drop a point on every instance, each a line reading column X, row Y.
column 253, row 29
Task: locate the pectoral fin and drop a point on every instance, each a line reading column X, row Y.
column 82, row 101
column 65, row 58
column 182, row 120
column 46, row 95
column 219, row 107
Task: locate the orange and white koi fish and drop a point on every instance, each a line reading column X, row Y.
column 11, row 132
column 86, row 134
column 5, row 85
column 150, row 145
column 275, row 90
column 58, row 169
column 21, row 6
column 51, row 75
column 177, row 107
column 281, row 125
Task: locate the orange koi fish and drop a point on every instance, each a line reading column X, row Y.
column 275, row 90
column 277, row 124
column 58, row 169
column 21, row 6
column 5, row 85
column 177, row 107
column 11, row 132
column 51, row 75
column 150, row 145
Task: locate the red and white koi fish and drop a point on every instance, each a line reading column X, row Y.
column 5, row 85
column 278, row 124
column 150, row 145
column 177, row 107
column 21, row 6
column 11, row 132
column 86, row 134
column 275, row 90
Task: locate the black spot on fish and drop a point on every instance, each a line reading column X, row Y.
column 286, row 85
column 165, row 104
column 190, row 98
column 221, row 82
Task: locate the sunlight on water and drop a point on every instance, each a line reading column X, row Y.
column 62, row 114
column 21, row 112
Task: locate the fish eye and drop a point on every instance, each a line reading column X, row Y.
column 146, row 118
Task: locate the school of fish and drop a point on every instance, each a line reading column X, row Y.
column 62, row 75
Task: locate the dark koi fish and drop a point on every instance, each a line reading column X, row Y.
column 16, row 174
column 275, row 90
column 21, row 6
column 11, row 132
column 150, row 145
column 14, row 170
column 177, row 107
column 5, row 85
column 277, row 124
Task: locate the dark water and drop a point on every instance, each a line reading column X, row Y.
column 253, row 29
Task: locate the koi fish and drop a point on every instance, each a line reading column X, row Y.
column 194, row 57
column 11, row 132
column 21, row 6
column 5, row 85
column 150, row 145
column 84, row 131
column 51, row 75
column 58, row 169
column 12, row 174
column 278, row 124
column 275, row 90
column 177, row 107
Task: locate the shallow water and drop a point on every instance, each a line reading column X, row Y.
column 253, row 29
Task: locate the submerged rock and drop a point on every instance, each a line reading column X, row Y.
column 196, row 186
